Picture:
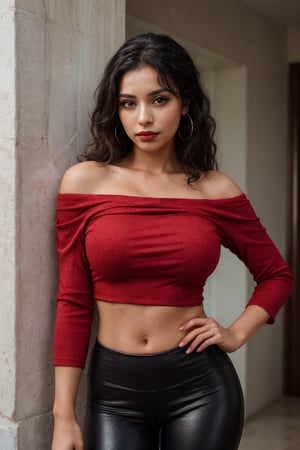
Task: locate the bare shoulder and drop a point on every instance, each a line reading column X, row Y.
column 82, row 178
column 216, row 185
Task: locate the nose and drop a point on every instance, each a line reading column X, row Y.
column 145, row 115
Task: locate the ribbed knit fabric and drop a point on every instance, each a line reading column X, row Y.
column 153, row 251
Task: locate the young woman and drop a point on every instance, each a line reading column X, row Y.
column 140, row 223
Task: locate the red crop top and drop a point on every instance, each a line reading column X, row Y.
column 152, row 251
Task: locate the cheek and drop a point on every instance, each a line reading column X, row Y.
column 172, row 122
column 125, row 121
column 172, row 117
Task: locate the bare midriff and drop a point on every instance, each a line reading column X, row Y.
column 143, row 329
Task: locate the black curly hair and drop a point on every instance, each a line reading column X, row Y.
column 174, row 67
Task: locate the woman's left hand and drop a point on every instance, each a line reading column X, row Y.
column 201, row 332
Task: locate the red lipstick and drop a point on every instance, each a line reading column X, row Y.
column 147, row 135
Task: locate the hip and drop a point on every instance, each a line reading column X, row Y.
column 169, row 381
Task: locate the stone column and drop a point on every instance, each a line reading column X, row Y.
column 52, row 54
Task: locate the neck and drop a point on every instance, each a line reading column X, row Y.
column 155, row 163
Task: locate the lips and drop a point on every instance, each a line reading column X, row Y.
column 147, row 135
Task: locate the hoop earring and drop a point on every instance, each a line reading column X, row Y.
column 116, row 135
column 185, row 130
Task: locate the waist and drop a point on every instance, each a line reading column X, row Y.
column 154, row 371
column 156, row 292
column 143, row 329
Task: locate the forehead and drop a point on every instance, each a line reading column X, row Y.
column 143, row 76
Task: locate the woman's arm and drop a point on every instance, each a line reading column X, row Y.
column 71, row 298
column 67, row 434
column 242, row 233
column 203, row 332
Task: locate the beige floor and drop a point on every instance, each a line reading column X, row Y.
column 275, row 428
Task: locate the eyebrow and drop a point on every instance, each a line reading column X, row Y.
column 158, row 91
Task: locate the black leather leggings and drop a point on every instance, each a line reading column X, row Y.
column 166, row 401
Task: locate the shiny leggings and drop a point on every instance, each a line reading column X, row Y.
column 164, row 401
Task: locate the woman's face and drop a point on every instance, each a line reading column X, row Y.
column 149, row 113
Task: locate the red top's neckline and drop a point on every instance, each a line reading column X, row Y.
column 72, row 195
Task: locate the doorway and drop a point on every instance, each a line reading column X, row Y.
column 292, row 328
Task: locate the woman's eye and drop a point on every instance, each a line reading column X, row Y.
column 160, row 100
column 127, row 104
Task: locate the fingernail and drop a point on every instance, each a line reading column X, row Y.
column 181, row 344
column 180, row 329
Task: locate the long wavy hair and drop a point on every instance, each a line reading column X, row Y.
column 110, row 144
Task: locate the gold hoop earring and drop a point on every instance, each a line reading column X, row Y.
column 185, row 129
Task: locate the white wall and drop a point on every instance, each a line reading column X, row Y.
column 57, row 51
column 241, row 37
column 226, row 87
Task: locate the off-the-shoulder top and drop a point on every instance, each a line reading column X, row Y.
column 153, row 251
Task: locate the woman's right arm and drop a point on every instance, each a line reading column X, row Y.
column 67, row 434
column 74, row 307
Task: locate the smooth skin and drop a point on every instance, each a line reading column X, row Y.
column 151, row 170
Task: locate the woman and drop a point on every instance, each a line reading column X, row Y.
column 140, row 223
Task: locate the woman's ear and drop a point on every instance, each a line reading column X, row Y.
column 185, row 107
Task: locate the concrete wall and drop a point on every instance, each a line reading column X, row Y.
column 51, row 57
column 230, row 31
column 7, row 222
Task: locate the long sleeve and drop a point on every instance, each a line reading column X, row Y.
column 75, row 294
column 244, row 235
